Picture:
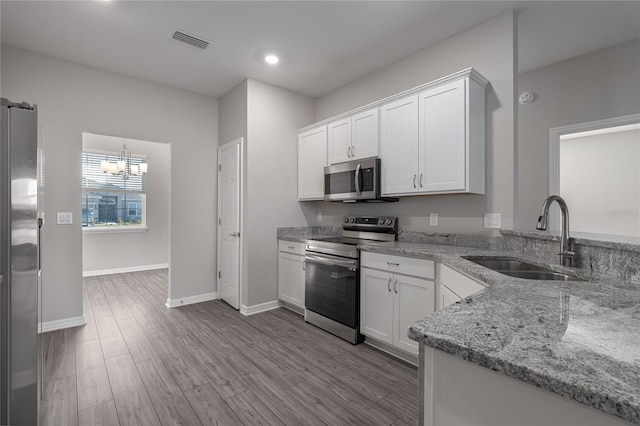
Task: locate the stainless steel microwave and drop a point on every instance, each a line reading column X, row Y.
column 354, row 181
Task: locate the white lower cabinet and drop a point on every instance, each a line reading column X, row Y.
column 291, row 273
column 376, row 306
column 391, row 301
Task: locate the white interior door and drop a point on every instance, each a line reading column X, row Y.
column 229, row 221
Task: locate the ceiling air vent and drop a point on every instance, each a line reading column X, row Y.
column 189, row 39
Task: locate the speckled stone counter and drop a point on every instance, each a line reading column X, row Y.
column 304, row 233
column 577, row 339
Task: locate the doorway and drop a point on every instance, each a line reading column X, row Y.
column 125, row 219
column 230, row 233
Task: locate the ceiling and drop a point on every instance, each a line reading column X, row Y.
column 323, row 45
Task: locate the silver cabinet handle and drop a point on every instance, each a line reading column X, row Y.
column 291, row 247
column 393, row 264
column 395, row 286
column 414, row 181
column 304, row 265
column 349, row 151
column 353, row 151
column 234, row 234
column 389, row 285
column 420, row 180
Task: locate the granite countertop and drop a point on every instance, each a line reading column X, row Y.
column 577, row 339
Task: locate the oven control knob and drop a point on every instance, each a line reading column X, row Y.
column 380, row 221
column 388, row 221
column 346, row 220
column 352, row 220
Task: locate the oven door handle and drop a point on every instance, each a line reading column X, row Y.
column 351, row 264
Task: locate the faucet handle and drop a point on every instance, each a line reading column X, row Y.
column 569, row 254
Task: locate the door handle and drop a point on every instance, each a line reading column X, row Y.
column 358, row 179
column 304, row 265
column 234, row 234
column 349, row 151
column 389, row 285
column 395, row 286
column 414, row 181
column 421, row 180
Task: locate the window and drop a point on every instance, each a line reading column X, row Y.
column 109, row 201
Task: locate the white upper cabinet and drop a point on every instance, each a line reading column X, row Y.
column 430, row 139
column 312, row 158
column 353, row 137
column 339, row 140
column 364, row 134
column 399, row 146
column 442, row 134
column 442, row 151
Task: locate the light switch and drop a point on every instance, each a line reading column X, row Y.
column 433, row 219
column 65, row 218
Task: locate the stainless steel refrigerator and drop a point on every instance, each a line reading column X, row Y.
column 19, row 264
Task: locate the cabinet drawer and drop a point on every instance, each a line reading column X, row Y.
column 422, row 268
column 291, row 247
column 459, row 283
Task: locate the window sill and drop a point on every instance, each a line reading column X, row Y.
column 113, row 229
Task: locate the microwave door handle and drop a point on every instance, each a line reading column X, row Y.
column 357, row 177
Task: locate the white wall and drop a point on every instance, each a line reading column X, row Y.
column 233, row 114
column 489, row 48
column 274, row 115
column 268, row 117
column 73, row 99
column 133, row 250
column 590, row 87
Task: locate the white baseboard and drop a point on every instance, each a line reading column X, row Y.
column 125, row 270
column 172, row 303
column 44, row 327
column 261, row 307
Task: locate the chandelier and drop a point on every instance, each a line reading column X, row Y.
column 123, row 166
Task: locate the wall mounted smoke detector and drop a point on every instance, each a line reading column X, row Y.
column 526, row 97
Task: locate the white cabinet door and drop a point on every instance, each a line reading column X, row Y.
column 291, row 279
column 414, row 299
column 364, row 134
column 312, row 158
column 399, row 146
column 376, row 304
column 447, row 297
column 442, row 138
column 339, row 141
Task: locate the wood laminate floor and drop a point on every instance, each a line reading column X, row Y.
column 138, row 363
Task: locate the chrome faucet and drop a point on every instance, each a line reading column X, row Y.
column 566, row 254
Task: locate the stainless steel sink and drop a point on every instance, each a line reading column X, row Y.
column 518, row 269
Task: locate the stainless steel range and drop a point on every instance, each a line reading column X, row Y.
column 332, row 275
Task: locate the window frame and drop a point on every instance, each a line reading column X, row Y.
column 142, row 227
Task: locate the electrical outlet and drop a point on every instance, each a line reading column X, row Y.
column 493, row 220
column 433, row 219
column 65, row 218
column 319, row 216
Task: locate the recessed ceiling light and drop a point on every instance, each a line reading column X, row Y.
column 271, row 59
